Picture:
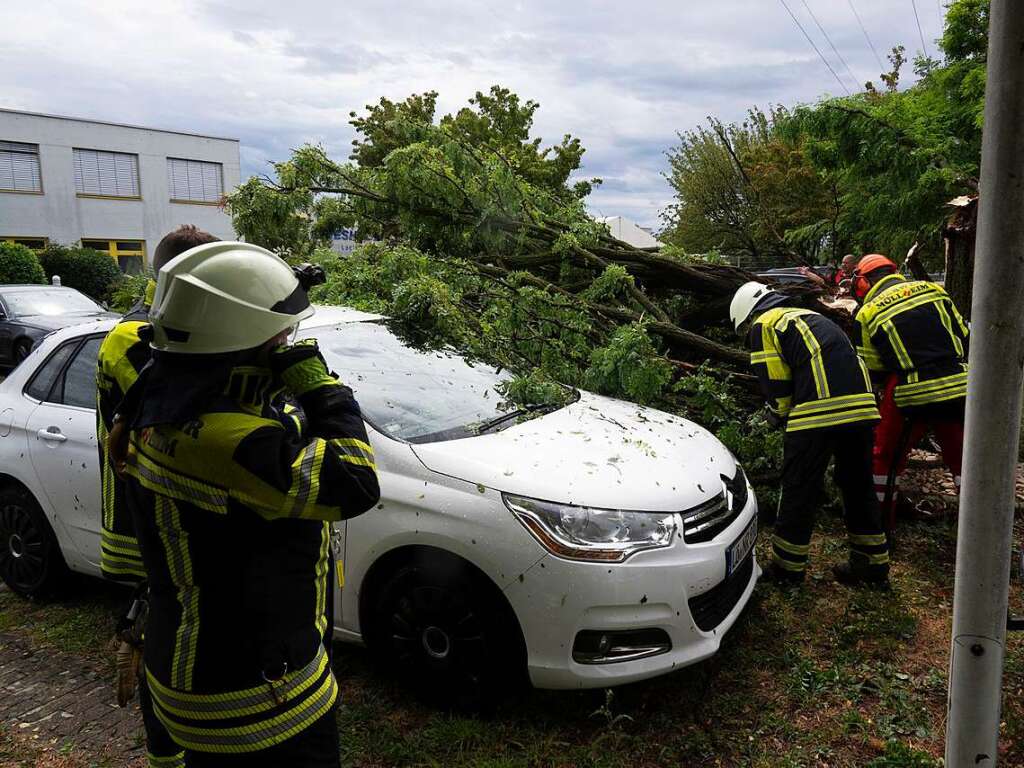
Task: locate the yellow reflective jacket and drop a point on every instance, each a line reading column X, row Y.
column 122, row 355
column 809, row 371
column 913, row 329
column 233, row 511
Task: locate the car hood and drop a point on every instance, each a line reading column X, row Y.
column 56, row 322
column 596, row 452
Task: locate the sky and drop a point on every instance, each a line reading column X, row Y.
column 624, row 76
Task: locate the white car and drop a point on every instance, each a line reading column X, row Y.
column 594, row 544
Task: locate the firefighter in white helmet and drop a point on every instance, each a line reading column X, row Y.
column 819, row 391
column 232, row 502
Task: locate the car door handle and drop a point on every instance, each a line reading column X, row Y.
column 52, row 434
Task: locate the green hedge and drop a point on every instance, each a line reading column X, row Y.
column 91, row 272
column 19, row 264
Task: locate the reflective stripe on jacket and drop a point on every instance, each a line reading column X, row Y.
column 122, row 355
column 913, row 329
column 233, row 511
column 809, row 371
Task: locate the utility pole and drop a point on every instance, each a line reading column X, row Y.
column 993, row 408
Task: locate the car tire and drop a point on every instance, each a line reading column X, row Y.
column 446, row 631
column 22, row 349
column 31, row 563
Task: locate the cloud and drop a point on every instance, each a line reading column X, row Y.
column 624, row 78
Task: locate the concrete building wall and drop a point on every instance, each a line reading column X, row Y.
column 63, row 216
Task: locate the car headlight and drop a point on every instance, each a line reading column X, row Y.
column 589, row 533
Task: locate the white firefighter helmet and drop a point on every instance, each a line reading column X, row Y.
column 224, row 297
column 745, row 299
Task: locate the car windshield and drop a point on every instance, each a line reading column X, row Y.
column 49, row 301
column 411, row 394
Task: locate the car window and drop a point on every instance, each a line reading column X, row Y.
column 41, row 384
column 49, row 301
column 80, row 376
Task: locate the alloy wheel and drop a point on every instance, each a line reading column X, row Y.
column 22, row 549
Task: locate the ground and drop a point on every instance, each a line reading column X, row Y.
column 820, row 677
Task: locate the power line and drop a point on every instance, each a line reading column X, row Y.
column 815, row 47
column 829, row 41
column 881, row 66
column 924, row 47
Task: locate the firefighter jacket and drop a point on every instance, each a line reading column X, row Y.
column 913, row 329
column 122, row 356
column 233, row 510
column 809, row 371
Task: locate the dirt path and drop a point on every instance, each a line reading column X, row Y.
column 56, row 700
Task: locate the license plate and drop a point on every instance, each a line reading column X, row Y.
column 739, row 550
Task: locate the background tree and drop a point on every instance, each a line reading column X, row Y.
column 872, row 172
column 751, row 193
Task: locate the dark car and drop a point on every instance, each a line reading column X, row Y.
column 795, row 275
column 30, row 312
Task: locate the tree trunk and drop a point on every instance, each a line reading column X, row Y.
column 959, row 234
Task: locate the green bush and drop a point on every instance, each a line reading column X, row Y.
column 19, row 264
column 91, row 272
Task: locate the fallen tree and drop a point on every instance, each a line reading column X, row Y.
column 479, row 240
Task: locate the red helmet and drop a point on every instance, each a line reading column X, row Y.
column 865, row 267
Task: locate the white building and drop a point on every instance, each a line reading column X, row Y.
column 116, row 188
column 629, row 232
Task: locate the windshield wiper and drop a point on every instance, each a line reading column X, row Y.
column 497, row 421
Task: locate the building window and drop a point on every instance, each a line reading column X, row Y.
column 130, row 255
column 106, row 174
column 195, row 181
column 19, row 167
column 35, row 243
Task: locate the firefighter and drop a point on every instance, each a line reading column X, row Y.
column 819, row 391
column 122, row 356
column 914, row 341
column 233, row 510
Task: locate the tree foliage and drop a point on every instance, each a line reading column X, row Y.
column 750, row 192
column 481, row 241
column 476, row 190
column 91, row 272
column 19, row 264
column 868, row 172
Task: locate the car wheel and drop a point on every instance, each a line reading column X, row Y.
column 22, row 349
column 448, row 633
column 30, row 560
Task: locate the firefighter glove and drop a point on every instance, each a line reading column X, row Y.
column 301, row 367
column 774, row 419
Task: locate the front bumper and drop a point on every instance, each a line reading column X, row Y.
column 555, row 599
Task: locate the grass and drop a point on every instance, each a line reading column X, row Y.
column 822, row 676
column 80, row 620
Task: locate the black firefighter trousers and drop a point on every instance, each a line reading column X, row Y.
column 806, row 454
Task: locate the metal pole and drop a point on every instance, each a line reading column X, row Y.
column 993, row 408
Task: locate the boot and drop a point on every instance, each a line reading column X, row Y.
column 856, row 575
column 776, row 574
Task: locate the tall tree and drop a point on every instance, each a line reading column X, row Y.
column 751, row 193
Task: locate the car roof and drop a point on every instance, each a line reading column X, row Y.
column 331, row 315
column 35, row 287
column 93, row 324
column 325, row 315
